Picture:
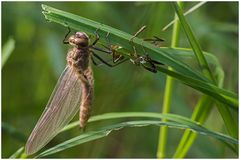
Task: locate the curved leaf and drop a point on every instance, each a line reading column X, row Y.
column 93, row 135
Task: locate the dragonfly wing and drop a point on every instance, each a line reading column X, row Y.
column 60, row 110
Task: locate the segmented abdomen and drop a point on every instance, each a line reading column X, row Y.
column 87, row 97
column 79, row 60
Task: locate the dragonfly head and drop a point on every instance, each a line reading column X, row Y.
column 79, row 39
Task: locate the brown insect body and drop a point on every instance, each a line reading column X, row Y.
column 78, row 59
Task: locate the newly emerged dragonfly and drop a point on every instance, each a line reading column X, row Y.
column 74, row 90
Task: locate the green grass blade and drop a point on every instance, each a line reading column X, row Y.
column 17, row 153
column 83, row 138
column 92, row 135
column 189, row 136
column 109, row 116
column 204, row 87
column 194, row 43
column 186, row 54
column 163, row 134
column 195, row 7
column 122, row 39
column 7, row 50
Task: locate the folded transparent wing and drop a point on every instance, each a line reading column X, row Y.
column 60, row 110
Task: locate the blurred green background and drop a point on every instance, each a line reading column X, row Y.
column 32, row 70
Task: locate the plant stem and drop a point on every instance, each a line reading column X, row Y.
column 161, row 153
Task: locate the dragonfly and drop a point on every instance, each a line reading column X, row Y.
column 74, row 90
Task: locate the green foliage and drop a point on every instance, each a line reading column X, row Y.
column 205, row 102
column 30, row 75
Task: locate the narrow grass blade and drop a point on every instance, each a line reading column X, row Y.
column 189, row 137
column 8, row 48
column 195, row 7
column 188, row 54
column 17, row 153
column 204, row 87
column 109, row 116
column 93, row 135
column 194, row 43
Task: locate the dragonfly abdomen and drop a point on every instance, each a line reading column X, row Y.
column 87, row 97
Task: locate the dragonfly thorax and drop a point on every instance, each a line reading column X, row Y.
column 79, row 40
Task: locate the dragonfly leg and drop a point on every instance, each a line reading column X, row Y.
column 135, row 35
column 115, row 57
column 106, row 63
column 153, row 69
column 138, row 32
column 107, row 35
column 64, row 40
column 94, row 62
column 155, row 40
column 101, row 50
column 156, row 62
column 96, row 38
column 95, row 42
